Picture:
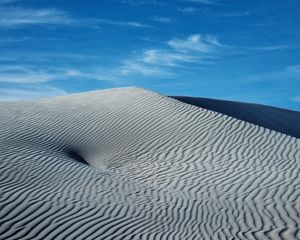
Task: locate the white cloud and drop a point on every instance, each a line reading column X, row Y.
column 16, row 17
column 12, row 17
column 209, row 2
column 195, row 49
column 33, row 74
column 233, row 14
column 140, row 2
column 13, row 40
column 162, row 19
column 23, row 74
column 271, row 48
column 130, row 67
column 156, row 62
column 167, row 58
column 187, row 9
column 29, row 92
column 98, row 74
column 119, row 23
column 73, row 73
column 196, row 42
column 45, row 56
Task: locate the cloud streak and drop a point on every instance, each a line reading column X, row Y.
column 177, row 53
column 34, row 74
column 13, row 17
column 140, row 2
column 196, row 42
column 21, row 74
column 13, row 40
column 116, row 23
column 195, row 49
column 167, row 58
column 135, row 67
column 271, row 48
column 208, row 2
column 187, row 10
column 17, row 17
column 162, row 19
column 29, row 92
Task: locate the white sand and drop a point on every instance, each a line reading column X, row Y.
column 278, row 119
column 157, row 169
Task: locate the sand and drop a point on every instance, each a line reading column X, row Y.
column 278, row 119
column 132, row 164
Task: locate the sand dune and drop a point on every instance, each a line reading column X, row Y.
column 131, row 164
column 278, row 119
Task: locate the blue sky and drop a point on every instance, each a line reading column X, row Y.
column 226, row 49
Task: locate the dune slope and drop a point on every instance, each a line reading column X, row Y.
column 131, row 164
column 278, row 119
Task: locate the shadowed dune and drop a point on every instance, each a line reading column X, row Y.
column 128, row 163
column 278, row 119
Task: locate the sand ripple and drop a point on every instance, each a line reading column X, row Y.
column 131, row 164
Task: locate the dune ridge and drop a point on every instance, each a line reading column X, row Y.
column 132, row 164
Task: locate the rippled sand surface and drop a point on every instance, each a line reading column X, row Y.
column 128, row 163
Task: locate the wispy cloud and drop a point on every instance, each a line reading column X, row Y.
column 117, row 23
column 156, row 62
column 209, row 2
column 232, row 14
column 12, row 17
column 183, row 53
column 136, row 67
column 36, row 74
column 29, row 74
column 196, row 42
column 93, row 73
column 33, row 91
column 30, row 57
column 162, row 19
column 141, row 2
column 271, row 48
column 177, row 53
column 16, row 17
column 33, row 74
column 14, row 40
column 167, row 58
column 187, row 9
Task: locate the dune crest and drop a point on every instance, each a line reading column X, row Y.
column 132, row 164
